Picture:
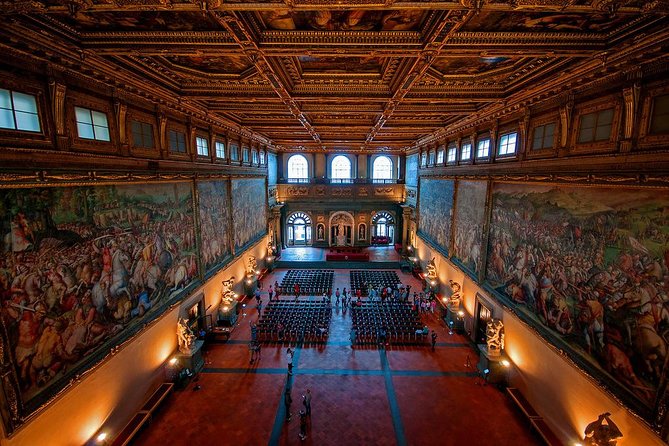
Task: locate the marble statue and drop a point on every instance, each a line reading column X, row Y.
column 185, row 336
column 495, row 336
column 599, row 434
column 431, row 269
column 456, row 298
column 252, row 266
column 228, row 295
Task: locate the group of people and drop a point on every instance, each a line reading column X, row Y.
column 304, row 413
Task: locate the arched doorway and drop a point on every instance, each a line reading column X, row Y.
column 341, row 229
column 383, row 228
column 298, row 229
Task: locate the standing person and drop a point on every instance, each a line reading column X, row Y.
column 287, row 401
column 277, row 289
column 303, row 425
column 257, row 295
column 433, row 305
column 358, row 293
column 434, row 339
column 337, row 294
column 289, row 353
column 270, row 293
column 306, row 400
column 254, row 332
column 259, row 307
column 258, row 347
column 297, row 290
column 353, row 335
column 330, row 295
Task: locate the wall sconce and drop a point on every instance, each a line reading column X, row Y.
column 173, row 360
column 505, row 363
column 461, row 314
column 101, row 438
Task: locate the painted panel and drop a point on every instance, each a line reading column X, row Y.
column 214, row 208
column 412, row 170
column 248, row 210
column 469, row 218
column 436, row 210
column 355, row 20
column 83, row 269
column 272, row 167
column 588, row 267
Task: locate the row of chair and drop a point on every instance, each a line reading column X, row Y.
column 394, row 322
column 362, row 280
column 294, row 321
column 311, row 282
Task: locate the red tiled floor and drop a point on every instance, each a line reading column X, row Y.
column 355, row 398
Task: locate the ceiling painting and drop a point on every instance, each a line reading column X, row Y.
column 340, row 65
column 497, row 21
column 356, row 20
column 461, row 66
column 140, row 21
column 232, row 64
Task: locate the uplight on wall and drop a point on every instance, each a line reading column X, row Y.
column 101, row 438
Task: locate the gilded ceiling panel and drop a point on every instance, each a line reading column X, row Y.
column 461, row 66
column 140, row 21
column 498, row 21
column 339, row 65
column 356, row 20
column 232, row 64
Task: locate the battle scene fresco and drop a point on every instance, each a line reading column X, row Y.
column 85, row 267
column 589, row 266
column 469, row 219
column 436, row 210
column 248, row 210
column 355, row 20
column 497, row 21
column 412, row 170
column 214, row 208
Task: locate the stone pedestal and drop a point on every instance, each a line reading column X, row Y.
column 192, row 360
column 497, row 372
column 227, row 314
column 454, row 321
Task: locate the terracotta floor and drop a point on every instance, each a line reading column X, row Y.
column 308, row 253
column 403, row 395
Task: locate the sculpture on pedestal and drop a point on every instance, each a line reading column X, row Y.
column 227, row 294
column 185, row 336
column 252, row 266
column 599, row 434
column 456, row 298
column 495, row 337
column 431, row 269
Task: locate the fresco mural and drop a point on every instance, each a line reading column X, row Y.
column 341, row 64
column 84, row 266
column 436, row 210
column 451, row 66
column 355, row 20
column 497, row 21
column 140, row 21
column 249, row 201
column 469, row 219
column 271, row 168
column 589, row 266
column 214, row 208
column 232, row 64
column 412, row 170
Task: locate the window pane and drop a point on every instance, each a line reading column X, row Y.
column 603, row 132
column 297, row 167
column 137, row 134
column 588, row 121
column 341, row 167
column 6, row 119
column 24, row 102
column 83, row 115
column 5, row 99
column 586, row 135
column 466, row 152
column 27, row 121
column 85, row 130
column 102, row 133
column 659, row 122
column 605, row 117
column 440, row 157
column 99, row 119
column 382, row 168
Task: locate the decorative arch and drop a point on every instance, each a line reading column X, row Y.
column 341, row 228
column 383, row 228
column 298, row 229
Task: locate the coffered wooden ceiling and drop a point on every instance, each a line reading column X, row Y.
column 329, row 74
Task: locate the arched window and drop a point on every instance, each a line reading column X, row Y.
column 298, row 225
column 298, row 169
column 341, row 169
column 382, row 169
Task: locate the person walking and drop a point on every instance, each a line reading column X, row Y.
column 254, row 332
column 434, row 339
column 258, row 346
column 306, row 400
column 354, row 335
column 287, row 401
column 297, row 290
column 277, row 290
column 270, row 293
column 337, row 294
column 290, row 353
column 257, row 295
column 303, row 425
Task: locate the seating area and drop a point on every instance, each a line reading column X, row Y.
column 363, row 279
column 347, row 254
column 380, row 240
column 312, row 282
column 395, row 321
column 295, row 321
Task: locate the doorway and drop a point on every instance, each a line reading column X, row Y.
column 298, row 228
column 483, row 316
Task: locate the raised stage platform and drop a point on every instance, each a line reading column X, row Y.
column 380, row 257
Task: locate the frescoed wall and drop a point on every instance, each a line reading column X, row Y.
column 412, row 170
column 589, row 268
column 82, row 269
column 214, row 208
column 436, row 210
column 271, row 168
column 469, row 219
column 248, row 210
